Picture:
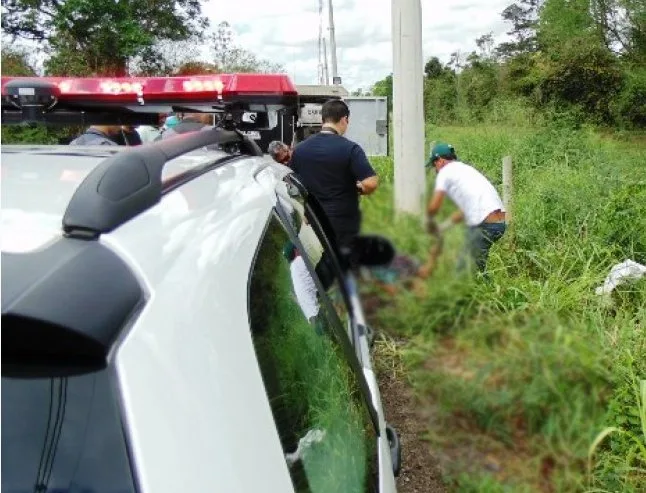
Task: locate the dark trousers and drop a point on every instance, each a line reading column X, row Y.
column 345, row 231
column 479, row 240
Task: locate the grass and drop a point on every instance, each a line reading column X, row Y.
column 550, row 375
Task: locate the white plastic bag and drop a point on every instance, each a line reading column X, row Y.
column 621, row 273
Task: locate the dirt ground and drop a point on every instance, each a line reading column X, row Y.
column 420, row 470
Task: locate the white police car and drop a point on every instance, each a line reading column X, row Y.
column 176, row 319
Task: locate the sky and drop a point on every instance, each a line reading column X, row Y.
column 286, row 32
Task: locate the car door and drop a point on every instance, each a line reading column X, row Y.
column 303, row 214
column 327, row 429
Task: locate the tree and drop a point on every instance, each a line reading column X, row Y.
column 433, row 68
column 439, row 91
column 630, row 105
column 456, row 62
column 564, row 21
column 384, row 88
column 15, row 62
column 197, row 68
column 523, row 17
column 166, row 58
column 622, row 24
column 636, row 20
column 232, row 58
column 485, row 45
column 586, row 75
column 103, row 35
column 440, row 97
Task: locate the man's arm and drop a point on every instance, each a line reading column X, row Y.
column 367, row 179
column 369, row 185
column 433, row 208
column 435, row 203
column 457, row 217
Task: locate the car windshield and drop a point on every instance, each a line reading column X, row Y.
column 63, row 435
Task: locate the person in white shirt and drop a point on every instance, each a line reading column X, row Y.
column 304, row 286
column 148, row 133
column 479, row 204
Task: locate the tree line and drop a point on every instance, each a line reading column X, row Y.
column 108, row 38
column 129, row 37
column 586, row 58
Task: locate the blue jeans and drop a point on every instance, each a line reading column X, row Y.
column 479, row 240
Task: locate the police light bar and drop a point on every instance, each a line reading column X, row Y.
column 37, row 98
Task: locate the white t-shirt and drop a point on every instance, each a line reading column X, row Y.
column 469, row 190
column 304, row 287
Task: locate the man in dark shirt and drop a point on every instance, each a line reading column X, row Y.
column 128, row 136
column 336, row 171
column 98, row 135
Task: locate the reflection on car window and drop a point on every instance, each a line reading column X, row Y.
column 319, row 253
column 322, row 420
column 63, row 435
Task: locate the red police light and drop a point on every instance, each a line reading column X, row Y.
column 106, row 100
column 157, row 89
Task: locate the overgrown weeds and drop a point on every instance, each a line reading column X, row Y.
column 535, row 360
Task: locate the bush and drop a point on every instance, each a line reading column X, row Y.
column 629, row 107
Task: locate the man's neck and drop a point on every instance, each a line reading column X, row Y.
column 331, row 128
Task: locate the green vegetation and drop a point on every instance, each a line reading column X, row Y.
column 539, row 382
column 583, row 56
column 96, row 37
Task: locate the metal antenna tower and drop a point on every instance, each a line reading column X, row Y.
column 321, row 67
column 332, row 42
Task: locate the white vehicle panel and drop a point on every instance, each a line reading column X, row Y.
column 193, row 394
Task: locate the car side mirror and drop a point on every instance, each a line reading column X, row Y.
column 372, row 251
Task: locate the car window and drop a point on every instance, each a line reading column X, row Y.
column 323, row 421
column 63, row 434
column 308, row 224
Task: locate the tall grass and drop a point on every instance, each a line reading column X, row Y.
column 535, row 359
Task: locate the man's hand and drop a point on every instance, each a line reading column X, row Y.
column 367, row 186
column 445, row 225
column 431, row 225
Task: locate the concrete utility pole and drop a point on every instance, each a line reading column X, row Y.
column 332, row 42
column 408, row 106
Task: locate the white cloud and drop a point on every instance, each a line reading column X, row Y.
column 286, row 32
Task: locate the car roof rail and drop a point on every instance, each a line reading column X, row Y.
column 129, row 183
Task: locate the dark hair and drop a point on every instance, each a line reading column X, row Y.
column 333, row 110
